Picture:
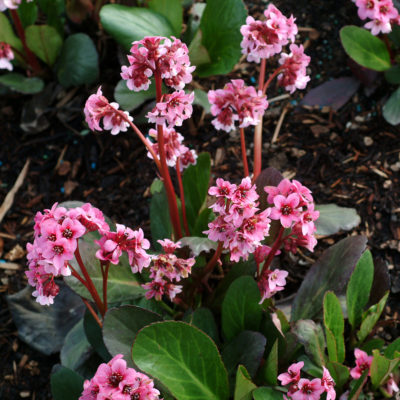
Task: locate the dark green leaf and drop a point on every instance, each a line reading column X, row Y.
column 392, row 348
column 201, row 225
column 66, row 384
column 203, row 319
column 331, row 272
column 339, row 373
column 381, row 368
column 311, row 336
column 332, row 219
column 372, row 345
column 267, row 393
column 270, row 368
column 21, row 84
column 127, row 24
column 244, row 386
column 128, row 99
column 240, row 313
column 357, row 387
column 183, row 358
column 121, row 325
column 392, row 75
column 78, row 62
column 310, row 367
column 172, row 10
column 391, row 109
column 365, row 48
column 395, row 35
column 54, row 10
column 7, row 34
column 359, row 288
column 220, row 28
column 94, row 336
column 28, row 13
column 44, row 41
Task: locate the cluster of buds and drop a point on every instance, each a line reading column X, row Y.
column 56, row 239
column 236, row 102
column 116, row 381
column 165, row 269
column 174, row 149
column 6, row 56
column 237, row 226
column 10, row 4
column 382, row 14
column 304, row 389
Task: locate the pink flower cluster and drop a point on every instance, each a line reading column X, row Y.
column 158, row 54
column 294, row 73
column 381, row 12
column 304, row 389
column 56, row 238
column 293, row 206
column 113, row 244
column 264, row 39
column 173, row 109
column 116, row 381
column 363, row 363
column 272, row 282
column 11, row 4
column 165, row 269
column 173, row 148
column 238, row 226
column 236, row 102
column 6, row 55
column 98, row 107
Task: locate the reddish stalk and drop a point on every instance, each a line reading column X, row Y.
column 244, row 155
column 90, row 308
column 105, row 278
column 33, row 61
column 261, row 77
column 77, row 276
column 275, row 248
column 182, row 195
column 271, row 77
column 211, row 264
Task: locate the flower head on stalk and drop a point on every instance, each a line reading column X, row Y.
column 97, row 107
column 236, row 102
column 363, row 363
column 272, row 282
column 6, row 56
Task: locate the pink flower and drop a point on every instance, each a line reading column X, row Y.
column 114, row 122
column 156, row 288
column 378, row 26
column 307, row 219
column 308, row 390
column 293, row 374
column 271, row 283
column 367, row 8
column 390, row 386
column 189, row 157
column 90, row 217
column 286, row 209
column 59, row 251
column 173, row 110
column 294, row 74
column 329, row 385
column 363, row 363
column 236, row 102
column 223, row 189
column 262, row 252
column 6, row 55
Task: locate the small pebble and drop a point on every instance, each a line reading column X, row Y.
column 368, row 141
column 387, row 184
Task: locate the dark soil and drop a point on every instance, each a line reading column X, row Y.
column 350, row 157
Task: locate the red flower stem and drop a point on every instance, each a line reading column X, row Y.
column 182, row 194
column 244, row 155
column 211, row 264
column 90, row 308
column 271, row 77
column 105, row 278
column 77, row 276
column 90, row 285
column 33, row 61
column 275, row 248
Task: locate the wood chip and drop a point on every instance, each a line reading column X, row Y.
column 16, row 253
column 10, row 266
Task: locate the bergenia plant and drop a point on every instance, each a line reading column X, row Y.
column 197, row 312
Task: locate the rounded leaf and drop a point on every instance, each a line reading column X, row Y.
column 391, row 110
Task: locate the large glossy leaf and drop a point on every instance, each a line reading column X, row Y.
column 243, row 386
column 382, row 367
column 359, row 288
column 332, row 219
column 94, row 335
column 44, row 41
column 203, row 319
column 241, row 312
column 7, row 34
column 365, row 48
column 183, row 358
column 172, row 10
column 128, row 99
column 331, row 272
column 28, row 13
column 220, row 29
column 270, row 368
column 127, row 24
column 391, row 109
column 121, row 325
column 267, row 393
column 78, row 62
column 66, row 384
column 21, row 84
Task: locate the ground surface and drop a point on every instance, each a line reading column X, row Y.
column 350, row 157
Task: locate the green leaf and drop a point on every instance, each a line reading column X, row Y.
column 359, row 288
column 241, row 312
column 195, row 14
column 128, row 99
column 127, row 24
column 270, row 368
column 267, row 393
column 203, row 319
column 334, row 327
column 332, row 219
column 244, row 386
column 201, row 225
column 122, row 284
column 370, row 318
column 365, row 48
column 394, row 36
column 311, row 336
column 310, row 367
column 121, row 325
column 198, row 53
column 54, row 11
column 331, row 272
column 220, row 28
column 172, row 10
column 381, row 368
column 372, row 345
column 21, row 84
column 196, row 179
column 357, row 387
column 392, row 348
column 183, row 358
column 44, row 41
column 391, row 109
column 66, row 384
column 201, row 99
column 78, row 62
column 28, row 13
column 7, row 34
column 392, row 75
column 339, row 373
